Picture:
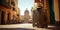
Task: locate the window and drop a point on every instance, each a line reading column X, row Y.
column 8, row 16
column 13, row 8
column 17, row 14
column 13, row 3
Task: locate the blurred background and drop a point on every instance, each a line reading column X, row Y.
column 30, row 14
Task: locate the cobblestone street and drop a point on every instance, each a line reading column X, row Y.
column 24, row 26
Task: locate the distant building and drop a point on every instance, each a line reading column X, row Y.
column 26, row 15
column 21, row 17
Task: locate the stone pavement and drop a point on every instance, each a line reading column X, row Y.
column 25, row 26
column 16, row 29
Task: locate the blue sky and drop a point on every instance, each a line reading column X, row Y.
column 23, row 4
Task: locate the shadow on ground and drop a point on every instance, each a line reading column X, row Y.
column 15, row 29
column 55, row 28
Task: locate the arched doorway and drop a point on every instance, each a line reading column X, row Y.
column 2, row 17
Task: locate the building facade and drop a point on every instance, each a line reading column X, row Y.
column 41, row 13
column 18, row 15
column 56, row 6
column 26, row 16
column 4, row 11
column 50, row 9
column 8, row 11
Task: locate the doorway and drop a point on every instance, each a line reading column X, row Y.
column 2, row 18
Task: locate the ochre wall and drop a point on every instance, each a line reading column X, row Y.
column 56, row 10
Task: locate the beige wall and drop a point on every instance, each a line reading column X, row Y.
column 16, row 5
column 56, row 10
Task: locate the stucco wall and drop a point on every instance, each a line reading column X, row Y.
column 56, row 10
